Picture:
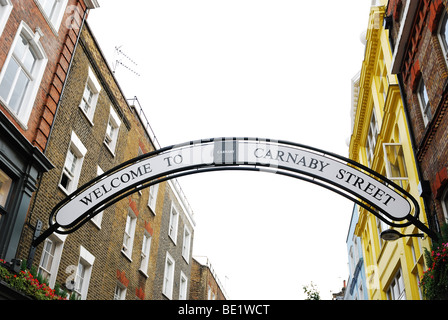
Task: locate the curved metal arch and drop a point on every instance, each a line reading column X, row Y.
column 237, row 164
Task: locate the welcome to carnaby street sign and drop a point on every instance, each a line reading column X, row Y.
column 352, row 180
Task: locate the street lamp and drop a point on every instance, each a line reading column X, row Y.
column 391, row 235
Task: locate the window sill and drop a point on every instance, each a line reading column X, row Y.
column 126, row 255
column 109, row 149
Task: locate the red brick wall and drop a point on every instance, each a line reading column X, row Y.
column 59, row 49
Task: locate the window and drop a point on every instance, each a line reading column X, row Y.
column 425, row 107
column 83, row 273
column 444, row 201
column 5, row 188
column 5, row 11
column 98, row 218
column 396, row 289
column 381, row 226
column 51, row 257
column 90, row 96
column 120, row 292
column 372, row 136
column 174, row 220
column 146, row 249
column 153, row 197
column 73, row 164
column 53, row 11
column 395, row 163
column 443, row 35
column 186, row 244
column 183, row 286
column 113, row 126
column 168, row 276
column 129, row 232
column 22, row 73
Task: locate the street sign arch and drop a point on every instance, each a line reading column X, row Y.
column 367, row 188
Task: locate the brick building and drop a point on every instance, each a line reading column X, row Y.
column 205, row 284
column 418, row 37
column 138, row 248
column 37, row 43
column 175, row 246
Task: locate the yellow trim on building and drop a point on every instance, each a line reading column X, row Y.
column 392, row 267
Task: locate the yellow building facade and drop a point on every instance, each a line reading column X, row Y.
column 381, row 141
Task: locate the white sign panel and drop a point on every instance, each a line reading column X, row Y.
column 234, row 152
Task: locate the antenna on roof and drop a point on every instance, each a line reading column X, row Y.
column 120, row 56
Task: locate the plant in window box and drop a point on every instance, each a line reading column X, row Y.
column 27, row 283
column 434, row 282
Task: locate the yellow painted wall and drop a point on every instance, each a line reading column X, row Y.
column 379, row 91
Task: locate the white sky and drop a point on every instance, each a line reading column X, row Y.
column 258, row 68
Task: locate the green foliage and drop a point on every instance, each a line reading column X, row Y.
column 434, row 282
column 29, row 283
column 311, row 292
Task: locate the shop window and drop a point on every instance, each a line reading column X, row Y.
column 22, row 73
column 5, row 188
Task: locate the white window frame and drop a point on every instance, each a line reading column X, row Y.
column 168, row 276
column 82, row 281
column 53, row 18
column 120, row 291
column 186, row 244
column 48, row 266
column 396, row 289
column 111, row 138
column 146, row 250
column 94, row 87
column 423, row 99
column 79, row 150
column 23, row 112
column 183, row 286
column 129, row 234
column 152, row 200
column 98, row 218
column 5, row 11
column 174, row 223
column 390, row 173
column 442, row 34
column 372, row 138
